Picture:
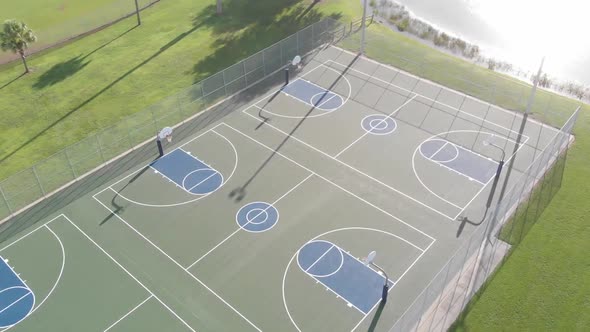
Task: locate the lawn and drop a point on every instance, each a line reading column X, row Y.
column 543, row 285
column 94, row 82
column 56, row 20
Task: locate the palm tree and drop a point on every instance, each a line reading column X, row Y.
column 219, row 7
column 16, row 36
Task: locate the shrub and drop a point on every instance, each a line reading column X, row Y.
column 403, row 24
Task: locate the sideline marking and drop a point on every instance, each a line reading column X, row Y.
column 128, row 313
column 342, row 229
column 439, row 102
column 240, row 228
column 129, row 273
column 349, row 166
column 336, row 185
column 173, row 260
column 382, row 121
column 181, row 203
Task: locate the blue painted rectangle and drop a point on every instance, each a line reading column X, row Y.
column 468, row 163
column 313, row 94
column 346, row 276
column 177, row 165
column 7, row 277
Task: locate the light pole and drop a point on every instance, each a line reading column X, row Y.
column 369, row 261
column 363, row 27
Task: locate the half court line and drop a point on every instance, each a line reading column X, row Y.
column 171, row 259
column 380, row 122
column 240, row 228
column 336, row 185
column 129, row 273
column 128, row 313
column 428, row 98
column 349, row 166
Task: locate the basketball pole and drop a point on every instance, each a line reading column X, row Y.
column 363, row 27
column 385, row 289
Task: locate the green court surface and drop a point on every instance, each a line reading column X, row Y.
column 261, row 221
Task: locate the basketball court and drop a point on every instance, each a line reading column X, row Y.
column 263, row 221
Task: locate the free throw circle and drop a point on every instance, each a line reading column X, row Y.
column 257, row 217
column 378, row 124
column 439, row 150
column 202, row 181
column 327, row 101
column 320, row 258
column 15, row 304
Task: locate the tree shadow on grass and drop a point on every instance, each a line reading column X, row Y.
column 277, row 22
column 12, row 81
column 60, row 72
column 101, row 91
column 63, row 70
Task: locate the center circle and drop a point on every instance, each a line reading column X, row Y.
column 257, row 217
column 254, row 216
column 378, row 124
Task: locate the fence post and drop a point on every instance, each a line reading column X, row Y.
column 313, row 36
column 263, row 64
column 38, row 181
column 5, row 200
column 224, row 86
column 70, row 163
column 100, row 148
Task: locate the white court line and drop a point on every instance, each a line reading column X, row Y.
column 325, row 179
column 327, row 100
column 63, row 263
column 189, row 201
column 16, row 301
column 396, row 282
column 207, row 178
column 129, row 273
column 479, row 192
column 430, row 99
column 29, row 233
column 444, row 87
column 128, row 313
column 173, row 260
column 317, row 260
column 179, row 147
column 349, row 166
column 382, row 120
column 437, row 151
column 240, row 228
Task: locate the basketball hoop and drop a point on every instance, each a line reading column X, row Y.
column 166, row 133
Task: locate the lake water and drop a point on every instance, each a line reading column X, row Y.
column 518, row 31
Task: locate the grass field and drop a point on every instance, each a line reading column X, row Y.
column 95, row 81
column 56, row 20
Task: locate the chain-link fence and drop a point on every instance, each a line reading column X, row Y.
column 523, row 195
column 81, row 25
column 441, row 302
column 70, row 164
